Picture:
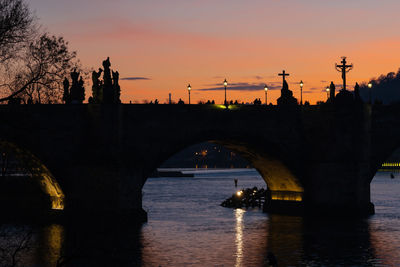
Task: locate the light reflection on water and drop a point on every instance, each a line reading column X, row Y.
column 239, row 236
column 187, row 227
column 52, row 237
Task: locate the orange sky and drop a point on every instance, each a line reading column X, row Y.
column 176, row 42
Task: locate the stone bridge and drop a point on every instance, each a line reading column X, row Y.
column 95, row 159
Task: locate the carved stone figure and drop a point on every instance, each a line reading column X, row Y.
column 286, row 98
column 77, row 91
column 332, row 89
column 357, row 96
column 97, row 90
column 116, row 87
column 108, row 94
column 66, row 95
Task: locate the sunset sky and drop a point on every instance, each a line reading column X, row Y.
column 161, row 46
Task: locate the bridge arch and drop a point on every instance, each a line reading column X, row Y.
column 38, row 172
column 281, row 177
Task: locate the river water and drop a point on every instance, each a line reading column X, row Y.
column 187, row 227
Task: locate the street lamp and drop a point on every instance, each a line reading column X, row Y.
column 225, row 85
column 370, row 92
column 327, row 92
column 189, row 89
column 301, row 92
column 266, row 94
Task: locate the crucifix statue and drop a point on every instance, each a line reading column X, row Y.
column 344, row 69
column 284, row 74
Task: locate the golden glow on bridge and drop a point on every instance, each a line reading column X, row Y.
column 390, row 164
column 287, row 196
column 38, row 172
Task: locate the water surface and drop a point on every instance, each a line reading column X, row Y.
column 187, row 227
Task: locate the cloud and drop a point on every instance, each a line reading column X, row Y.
column 243, row 86
column 308, row 91
column 294, row 83
column 135, row 78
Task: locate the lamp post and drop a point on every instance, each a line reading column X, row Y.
column 369, row 91
column 301, row 92
column 189, row 89
column 225, row 85
column 327, row 92
column 266, row 95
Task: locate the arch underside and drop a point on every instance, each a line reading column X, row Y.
column 38, row 172
column 281, row 181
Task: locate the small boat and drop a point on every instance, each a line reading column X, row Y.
column 392, row 176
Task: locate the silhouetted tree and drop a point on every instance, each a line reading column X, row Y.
column 33, row 63
column 385, row 88
column 16, row 27
column 43, row 66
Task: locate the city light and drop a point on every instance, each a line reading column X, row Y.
column 189, row 89
column 327, row 92
column 266, row 94
column 301, row 92
column 225, row 85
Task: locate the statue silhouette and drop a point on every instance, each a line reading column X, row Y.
column 286, row 98
column 332, row 89
column 115, row 76
column 108, row 96
column 66, row 95
column 357, row 96
column 75, row 76
column 116, row 87
column 97, row 90
column 107, row 64
column 77, row 91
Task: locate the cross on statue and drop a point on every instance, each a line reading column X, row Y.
column 344, row 69
column 284, row 74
